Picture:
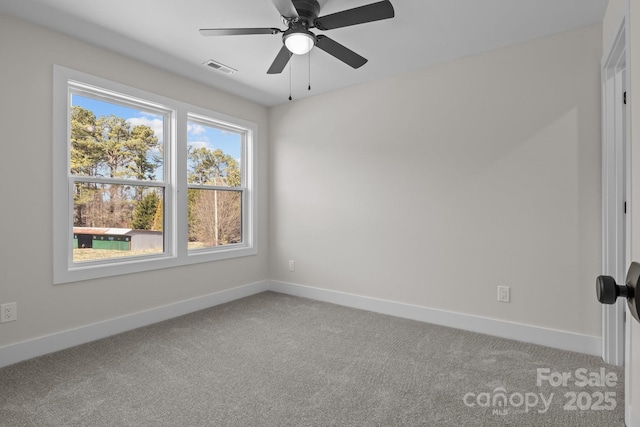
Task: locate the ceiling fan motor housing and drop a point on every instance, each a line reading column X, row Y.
column 308, row 11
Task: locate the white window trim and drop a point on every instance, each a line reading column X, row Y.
column 176, row 227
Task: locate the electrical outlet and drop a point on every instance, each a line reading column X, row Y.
column 504, row 294
column 292, row 265
column 8, row 312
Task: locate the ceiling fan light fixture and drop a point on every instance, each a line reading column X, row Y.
column 299, row 42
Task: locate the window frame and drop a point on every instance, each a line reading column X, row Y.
column 175, row 229
column 204, row 120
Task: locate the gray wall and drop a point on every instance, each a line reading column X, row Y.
column 433, row 187
column 28, row 53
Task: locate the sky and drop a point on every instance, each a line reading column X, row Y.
column 198, row 135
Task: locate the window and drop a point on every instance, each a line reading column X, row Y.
column 144, row 182
column 116, row 172
column 215, row 183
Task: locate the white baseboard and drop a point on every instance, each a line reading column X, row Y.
column 14, row 353
column 563, row 340
column 17, row 352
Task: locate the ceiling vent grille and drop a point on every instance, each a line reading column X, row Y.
column 219, row 67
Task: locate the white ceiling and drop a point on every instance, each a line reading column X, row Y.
column 164, row 33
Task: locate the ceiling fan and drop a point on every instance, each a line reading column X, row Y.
column 300, row 16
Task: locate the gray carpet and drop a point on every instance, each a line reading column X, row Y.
column 277, row 360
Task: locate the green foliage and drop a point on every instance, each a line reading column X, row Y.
column 213, row 167
column 192, row 200
column 107, row 146
column 158, row 218
column 141, row 141
column 114, row 133
column 85, row 155
column 145, row 211
column 86, row 152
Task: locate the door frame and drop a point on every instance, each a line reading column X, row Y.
column 615, row 188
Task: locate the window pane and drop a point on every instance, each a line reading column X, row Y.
column 215, row 218
column 214, row 156
column 116, row 221
column 115, row 141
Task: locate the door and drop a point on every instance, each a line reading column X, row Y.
column 632, row 363
column 85, row 241
column 632, row 375
column 621, row 193
column 614, row 194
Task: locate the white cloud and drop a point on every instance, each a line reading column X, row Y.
column 195, row 129
column 198, row 144
column 155, row 124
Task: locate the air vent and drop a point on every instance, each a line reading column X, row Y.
column 220, row 67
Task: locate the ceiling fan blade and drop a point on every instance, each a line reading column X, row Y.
column 286, row 8
column 238, row 31
column 337, row 50
column 280, row 62
column 359, row 15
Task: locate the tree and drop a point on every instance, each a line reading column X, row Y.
column 141, row 141
column 115, row 136
column 192, row 199
column 212, row 167
column 145, row 211
column 214, row 215
column 85, row 157
column 86, row 153
column 115, row 159
column 107, row 147
column 158, row 218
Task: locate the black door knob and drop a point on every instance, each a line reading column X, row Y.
column 608, row 291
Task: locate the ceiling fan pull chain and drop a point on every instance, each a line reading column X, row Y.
column 309, row 88
column 290, row 98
